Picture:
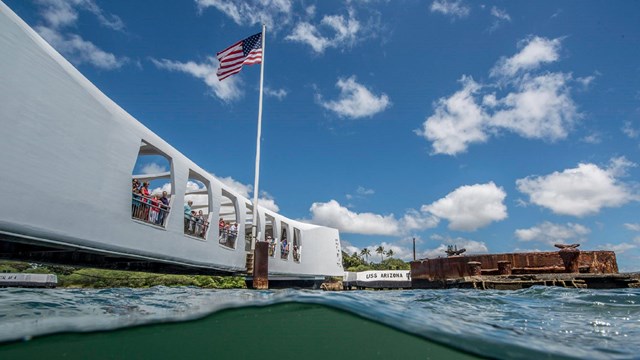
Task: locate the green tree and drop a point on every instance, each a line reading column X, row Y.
column 389, row 253
column 365, row 252
column 380, row 250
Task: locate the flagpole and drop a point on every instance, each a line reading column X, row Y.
column 254, row 225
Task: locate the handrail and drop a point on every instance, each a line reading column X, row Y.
column 142, row 209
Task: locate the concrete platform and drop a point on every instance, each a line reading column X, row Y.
column 28, row 280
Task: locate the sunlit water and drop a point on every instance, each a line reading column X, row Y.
column 538, row 322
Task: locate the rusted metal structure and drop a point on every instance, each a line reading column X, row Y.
column 568, row 267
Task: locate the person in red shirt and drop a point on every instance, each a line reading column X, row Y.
column 155, row 209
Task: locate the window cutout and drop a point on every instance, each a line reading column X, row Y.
column 270, row 234
column 197, row 209
column 297, row 246
column 228, row 220
column 151, row 186
column 284, row 242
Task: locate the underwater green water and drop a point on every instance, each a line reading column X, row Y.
column 284, row 331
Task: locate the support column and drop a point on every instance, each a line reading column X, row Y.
column 571, row 259
column 504, row 267
column 261, row 266
column 475, row 268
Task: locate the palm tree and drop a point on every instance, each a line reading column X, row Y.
column 365, row 252
column 380, row 250
column 389, row 253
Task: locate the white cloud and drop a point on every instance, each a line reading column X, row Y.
column 540, row 108
column 240, row 188
column 535, row 106
column 61, row 14
column 276, row 93
column 80, row 51
column 333, row 214
column 399, row 251
column 348, row 248
column 58, row 13
column 457, row 121
column 274, row 13
column 342, row 32
column 579, row 191
column 471, row 247
column 500, row 14
column 551, row 233
column 308, row 34
column 586, row 81
column 594, row 138
column 265, row 199
column 470, row 207
column 416, row 220
column 453, row 8
column 153, row 168
column 632, row 227
column 346, row 29
column 361, row 190
column 617, row 248
column 228, row 90
column 535, row 52
column 356, row 101
column 630, row 131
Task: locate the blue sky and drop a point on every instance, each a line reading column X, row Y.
column 496, row 126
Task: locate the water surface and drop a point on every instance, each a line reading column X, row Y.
column 540, row 322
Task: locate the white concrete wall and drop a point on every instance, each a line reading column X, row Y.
column 67, row 154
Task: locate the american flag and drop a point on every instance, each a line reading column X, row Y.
column 247, row 51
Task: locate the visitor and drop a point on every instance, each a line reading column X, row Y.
column 135, row 199
column 199, row 222
column 187, row 215
column 164, row 208
column 233, row 230
column 155, row 209
column 145, row 201
column 284, row 248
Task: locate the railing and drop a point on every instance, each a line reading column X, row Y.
column 196, row 226
column 142, row 209
column 227, row 237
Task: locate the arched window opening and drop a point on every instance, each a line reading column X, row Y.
column 297, row 245
column 151, row 186
column 270, row 233
column 284, row 242
column 228, row 220
column 197, row 209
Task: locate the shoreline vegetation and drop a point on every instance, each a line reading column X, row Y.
column 78, row 277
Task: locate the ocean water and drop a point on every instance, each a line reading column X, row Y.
column 191, row 323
